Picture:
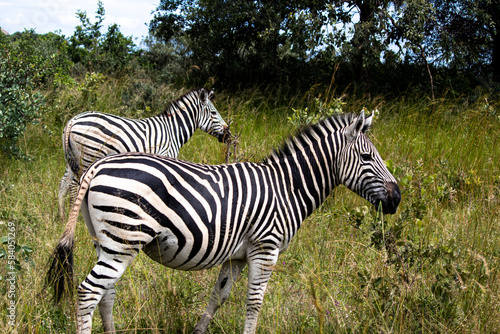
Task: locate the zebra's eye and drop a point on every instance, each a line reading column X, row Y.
column 366, row 156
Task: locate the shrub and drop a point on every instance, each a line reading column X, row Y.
column 20, row 72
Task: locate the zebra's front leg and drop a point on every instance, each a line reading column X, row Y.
column 261, row 265
column 228, row 274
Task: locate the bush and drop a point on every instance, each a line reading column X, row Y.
column 20, row 72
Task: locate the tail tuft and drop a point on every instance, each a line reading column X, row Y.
column 60, row 273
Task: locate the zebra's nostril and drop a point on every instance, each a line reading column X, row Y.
column 393, row 192
column 391, row 202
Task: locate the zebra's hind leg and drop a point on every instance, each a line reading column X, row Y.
column 106, row 310
column 108, row 299
column 98, row 288
column 228, row 274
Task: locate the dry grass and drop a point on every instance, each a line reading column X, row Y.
column 337, row 277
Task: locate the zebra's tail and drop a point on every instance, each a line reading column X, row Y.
column 65, row 136
column 60, row 273
column 69, row 155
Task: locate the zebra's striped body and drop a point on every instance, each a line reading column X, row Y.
column 92, row 135
column 190, row 216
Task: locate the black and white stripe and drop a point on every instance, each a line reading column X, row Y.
column 192, row 216
column 93, row 135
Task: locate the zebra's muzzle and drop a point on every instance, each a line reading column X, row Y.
column 226, row 136
column 391, row 201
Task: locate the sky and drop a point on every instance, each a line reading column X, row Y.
column 54, row 15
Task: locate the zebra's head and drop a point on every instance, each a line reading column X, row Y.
column 210, row 120
column 363, row 171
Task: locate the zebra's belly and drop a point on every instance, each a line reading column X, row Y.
column 165, row 249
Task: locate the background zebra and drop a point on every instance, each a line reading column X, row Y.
column 93, row 135
column 191, row 216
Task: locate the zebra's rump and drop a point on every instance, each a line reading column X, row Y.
column 93, row 135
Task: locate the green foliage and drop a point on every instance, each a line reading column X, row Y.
column 319, row 110
column 168, row 62
column 21, row 71
column 90, row 86
column 465, row 36
column 44, row 57
column 11, row 253
column 371, row 46
column 243, row 42
column 408, row 255
column 96, row 52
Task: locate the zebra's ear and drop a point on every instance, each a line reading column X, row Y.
column 368, row 123
column 211, row 95
column 354, row 129
column 203, row 95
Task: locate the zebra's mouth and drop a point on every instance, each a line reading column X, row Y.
column 391, row 200
column 225, row 136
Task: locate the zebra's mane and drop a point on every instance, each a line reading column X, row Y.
column 174, row 105
column 307, row 135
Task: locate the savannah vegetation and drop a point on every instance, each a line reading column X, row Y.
column 430, row 268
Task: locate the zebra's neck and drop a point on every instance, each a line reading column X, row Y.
column 181, row 120
column 307, row 178
column 308, row 163
column 311, row 176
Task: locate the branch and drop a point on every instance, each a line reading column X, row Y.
column 402, row 30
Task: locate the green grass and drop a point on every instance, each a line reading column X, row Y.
column 431, row 268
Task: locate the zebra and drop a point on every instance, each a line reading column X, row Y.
column 191, row 216
column 92, row 135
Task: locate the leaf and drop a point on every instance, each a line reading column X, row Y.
column 390, row 165
column 27, row 249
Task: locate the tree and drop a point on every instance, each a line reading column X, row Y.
column 110, row 52
column 166, row 61
column 300, row 41
column 116, row 50
column 409, row 22
column 240, row 40
column 362, row 44
column 83, row 44
column 467, row 35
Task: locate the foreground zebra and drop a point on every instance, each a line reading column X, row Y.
column 93, row 135
column 191, row 216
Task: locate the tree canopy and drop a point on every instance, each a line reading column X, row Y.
column 301, row 42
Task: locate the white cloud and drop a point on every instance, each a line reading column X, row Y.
column 54, row 15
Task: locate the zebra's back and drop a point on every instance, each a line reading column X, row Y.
column 92, row 135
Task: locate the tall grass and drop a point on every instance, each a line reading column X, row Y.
column 431, row 268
